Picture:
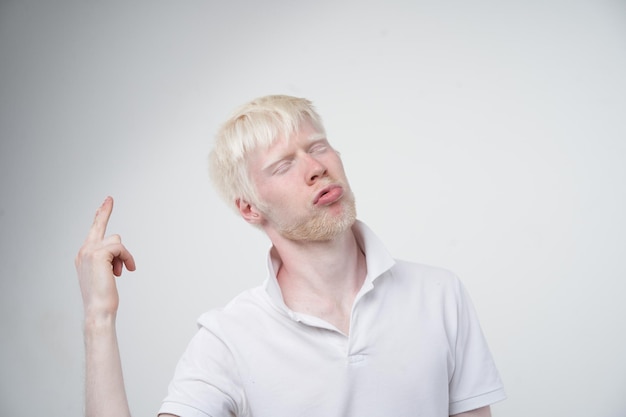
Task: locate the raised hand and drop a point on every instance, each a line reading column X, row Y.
column 99, row 261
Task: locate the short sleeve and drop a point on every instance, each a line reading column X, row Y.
column 475, row 381
column 206, row 380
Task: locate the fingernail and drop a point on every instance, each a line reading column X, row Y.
column 103, row 203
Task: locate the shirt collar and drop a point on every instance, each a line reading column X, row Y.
column 377, row 259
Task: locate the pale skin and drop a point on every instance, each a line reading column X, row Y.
column 289, row 176
column 98, row 262
column 307, row 276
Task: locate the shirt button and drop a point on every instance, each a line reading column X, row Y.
column 356, row 358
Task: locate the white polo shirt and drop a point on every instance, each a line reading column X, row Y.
column 415, row 348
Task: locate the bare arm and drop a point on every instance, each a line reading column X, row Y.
column 479, row 412
column 98, row 262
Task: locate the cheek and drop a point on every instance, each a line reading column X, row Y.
column 338, row 164
column 277, row 194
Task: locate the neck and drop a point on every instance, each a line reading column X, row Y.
column 321, row 278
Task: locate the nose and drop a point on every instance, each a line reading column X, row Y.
column 315, row 170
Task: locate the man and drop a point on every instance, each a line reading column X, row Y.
column 339, row 328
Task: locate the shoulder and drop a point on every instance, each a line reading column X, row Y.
column 240, row 314
column 423, row 286
column 417, row 274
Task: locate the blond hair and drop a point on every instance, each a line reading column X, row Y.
column 257, row 123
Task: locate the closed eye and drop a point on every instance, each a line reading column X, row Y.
column 282, row 166
column 318, row 147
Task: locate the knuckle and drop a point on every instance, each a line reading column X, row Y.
column 81, row 254
column 87, row 253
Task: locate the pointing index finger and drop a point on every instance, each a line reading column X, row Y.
column 99, row 226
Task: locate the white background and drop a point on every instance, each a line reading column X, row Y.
column 485, row 137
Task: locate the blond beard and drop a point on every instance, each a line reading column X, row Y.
column 322, row 225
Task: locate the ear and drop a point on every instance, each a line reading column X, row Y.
column 248, row 211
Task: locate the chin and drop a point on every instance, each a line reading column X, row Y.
column 322, row 227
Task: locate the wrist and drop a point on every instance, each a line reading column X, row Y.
column 99, row 321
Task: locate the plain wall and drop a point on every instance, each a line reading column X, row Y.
column 486, row 137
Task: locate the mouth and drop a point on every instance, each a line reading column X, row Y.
column 328, row 195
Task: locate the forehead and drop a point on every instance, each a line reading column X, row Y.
column 283, row 144
column 263, row 129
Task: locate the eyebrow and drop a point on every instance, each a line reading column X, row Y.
column 316, row 136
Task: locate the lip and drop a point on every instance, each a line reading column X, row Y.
column 329, row 189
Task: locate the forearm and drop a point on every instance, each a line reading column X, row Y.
column 98, row 262
column 104, row 384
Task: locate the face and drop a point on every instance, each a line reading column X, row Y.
column 304, row 192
